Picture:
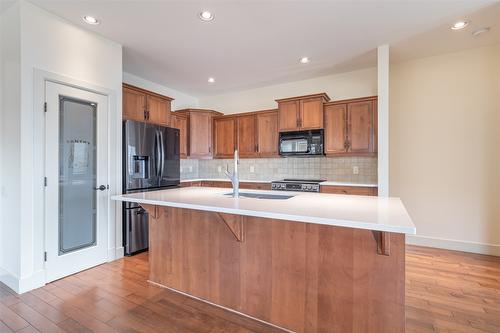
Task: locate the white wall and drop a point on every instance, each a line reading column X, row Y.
column 181, row 100
column 52, row 44
column 338, row 86
column 10, row 141
column 445, row 147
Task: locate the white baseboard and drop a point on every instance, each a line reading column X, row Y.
column 115, row 253
column 119, row 252
column 9, row 279
column 34, row 281
column 450, row 244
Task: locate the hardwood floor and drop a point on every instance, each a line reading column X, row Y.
column 446, row 291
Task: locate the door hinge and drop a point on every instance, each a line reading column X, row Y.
column 44, row 181
column 45, row 107
column 45, row 256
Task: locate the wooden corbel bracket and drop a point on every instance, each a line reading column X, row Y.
column 383, row 240
column 235, row 224
column 152, row 210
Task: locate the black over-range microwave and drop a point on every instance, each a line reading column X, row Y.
column 301, row 143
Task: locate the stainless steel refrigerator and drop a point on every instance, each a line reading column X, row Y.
column 150, row 162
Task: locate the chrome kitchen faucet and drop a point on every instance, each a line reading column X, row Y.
column 234, row 177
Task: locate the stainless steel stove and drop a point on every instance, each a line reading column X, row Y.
column 302, row 185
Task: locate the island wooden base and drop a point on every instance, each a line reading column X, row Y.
column 300, row 276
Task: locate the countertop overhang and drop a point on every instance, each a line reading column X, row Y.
column 352, row 211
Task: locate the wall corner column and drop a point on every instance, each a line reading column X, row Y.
column 383, row 119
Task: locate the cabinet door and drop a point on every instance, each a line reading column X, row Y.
column 200, row 134
column 180, row 122
column 335, row 129
column 224, row 137
column 311, row 113
column 267, row 134
column 289, row 113
column 158, row 110
column 134, row 105
column 247, row 146
column 360, row 127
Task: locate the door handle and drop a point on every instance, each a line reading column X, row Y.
column 101, row 188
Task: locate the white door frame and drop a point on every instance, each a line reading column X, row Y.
column 114, row 170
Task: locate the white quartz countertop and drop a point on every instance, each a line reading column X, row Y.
column 353, row 211
column 326, row 183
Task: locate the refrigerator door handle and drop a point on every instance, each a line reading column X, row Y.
column 162, row 158
column 157, row 153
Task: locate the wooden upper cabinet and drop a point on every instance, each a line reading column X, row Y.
column 351, row 127
column 158, row 110
column 134, row 104
column 199, row 138
column 246, row 134
column 267, row 133
column 289, row 115
column 335, row 129
column 181, row 123
column 360, row 127
column 225, row 136
column 311, row 113
column 146, row 106
column 301, row 113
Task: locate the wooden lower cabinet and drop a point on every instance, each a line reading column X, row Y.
column 333, row 189
column 304, row 277
column 352, row 190
column 243, row 185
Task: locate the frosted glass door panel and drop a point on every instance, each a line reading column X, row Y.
column 77, row 174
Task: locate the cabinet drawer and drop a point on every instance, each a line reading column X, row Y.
column 255, row 186
column 350, row 190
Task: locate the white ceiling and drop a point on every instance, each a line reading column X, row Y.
column 256, row 43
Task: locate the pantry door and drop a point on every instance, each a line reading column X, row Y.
column 76, row 171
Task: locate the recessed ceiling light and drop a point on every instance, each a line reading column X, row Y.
column 480, row 31
column 206, row 16
column 211, row 80
column 459, row 25
column 90, row 20
column 304, row 60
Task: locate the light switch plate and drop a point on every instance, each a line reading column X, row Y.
column 252, row 169
column 219, row 169
column 355, row 170
column 190, row 169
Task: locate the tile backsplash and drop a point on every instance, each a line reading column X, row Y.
column 342, row 169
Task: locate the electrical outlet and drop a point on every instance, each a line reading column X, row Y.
column 181, row 169
column 219, row 169
column 190, row 169
column 252, row 169
column 355, row 170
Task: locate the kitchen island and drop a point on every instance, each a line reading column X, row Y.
column 306, row 262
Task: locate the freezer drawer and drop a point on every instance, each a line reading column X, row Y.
column 136, row 230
